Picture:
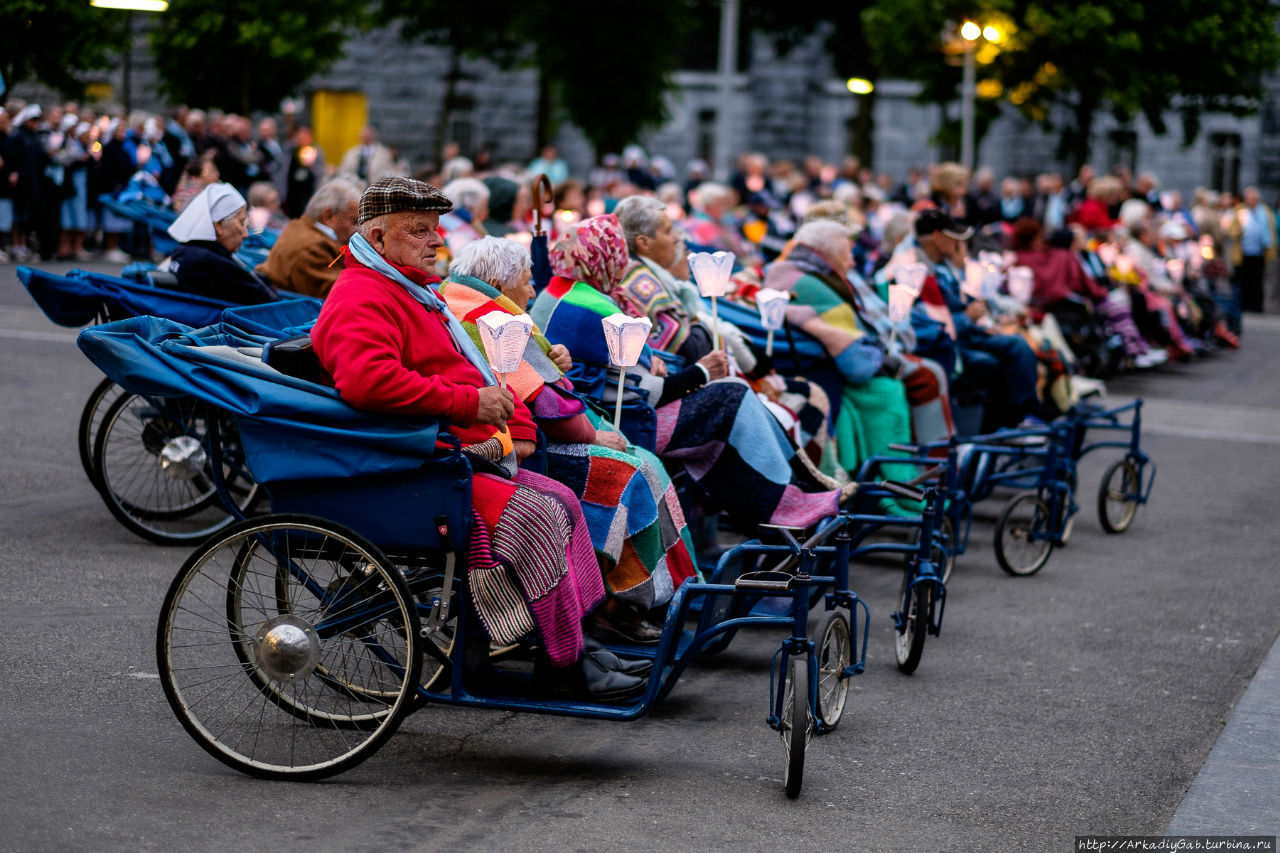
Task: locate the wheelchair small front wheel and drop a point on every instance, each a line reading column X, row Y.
column 288, row 647
column 835, row 654
column 1022, row 537
column 1118, row 496
column 908, row 641
column 797, row 723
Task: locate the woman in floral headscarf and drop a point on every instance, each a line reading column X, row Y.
column 716, row 427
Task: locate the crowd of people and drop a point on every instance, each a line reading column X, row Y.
column 940, row 305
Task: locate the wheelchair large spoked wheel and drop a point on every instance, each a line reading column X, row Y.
column 1022, row 542
column 912, row 623
column 152, row 461
column 106, row 393
column 796, row 726
column 288, row 647
column 1118, row 496
column 835, row 654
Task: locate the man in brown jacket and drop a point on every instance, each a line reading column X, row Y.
column 302, row 258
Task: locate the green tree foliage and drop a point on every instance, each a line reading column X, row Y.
column 606, row 67
column 244, row 55
column 1132, row 58
column 56, row 41
column 1191, row 56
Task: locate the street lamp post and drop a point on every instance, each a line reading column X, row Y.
column 129, row 7
column 970, row 34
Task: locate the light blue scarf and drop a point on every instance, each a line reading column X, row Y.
column 365, row 254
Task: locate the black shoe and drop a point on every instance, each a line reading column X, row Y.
column 636, row 631
column 639, row 667
column 588, row 681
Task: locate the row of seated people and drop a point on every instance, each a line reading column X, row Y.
column 602, row 539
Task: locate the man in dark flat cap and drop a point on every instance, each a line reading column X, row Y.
column 392, row 345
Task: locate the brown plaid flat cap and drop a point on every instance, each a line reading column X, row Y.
column 398, row 194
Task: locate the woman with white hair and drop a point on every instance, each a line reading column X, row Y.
column 872, row 409
column 211, row 228
column 632, row 511
column 465, row 222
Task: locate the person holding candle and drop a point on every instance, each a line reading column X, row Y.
column 632, row 510
column 682, row 326
column 392, row 345
column 719, row 430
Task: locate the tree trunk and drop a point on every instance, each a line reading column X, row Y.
column 451, row 80
column 1078, row 143
column 543, row 130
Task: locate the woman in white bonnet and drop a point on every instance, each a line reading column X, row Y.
column 211, row 228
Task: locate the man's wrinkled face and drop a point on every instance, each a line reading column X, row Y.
column 410, row 239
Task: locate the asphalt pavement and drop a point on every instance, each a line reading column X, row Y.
column 1129, row 688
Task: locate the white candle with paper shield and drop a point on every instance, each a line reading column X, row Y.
column 974, row 273
column 1022, row 282
column 504, row 337
column 772, row 305
column 912, row 276
column 1107, row 253
column 625, row 336
column 1177, row 270
column 711, row 272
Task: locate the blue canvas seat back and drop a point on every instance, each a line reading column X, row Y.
column 81, row 297
column 284, row 318
column 298, row 437
column 791, row 353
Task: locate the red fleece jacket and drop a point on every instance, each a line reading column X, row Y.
column 388, row 353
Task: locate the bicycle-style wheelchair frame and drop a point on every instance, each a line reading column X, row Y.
column 292, row 645
column 1041, row 463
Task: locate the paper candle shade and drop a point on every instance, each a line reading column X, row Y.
column 992, row 278
column 1022, row 281
column 1177, row 269
column 912, row 276
column 773, row 307
column 1107, row 254
column 973, row 279
column 625, row 337
column 900, row 301
column 504, row 337
column 1124, row 264
column 711, row 272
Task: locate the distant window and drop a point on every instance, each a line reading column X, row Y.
column 1122, row 149
column 1224, row 162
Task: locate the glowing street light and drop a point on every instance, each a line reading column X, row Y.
column 129, row 7
column 860, row 86
column 971, row 32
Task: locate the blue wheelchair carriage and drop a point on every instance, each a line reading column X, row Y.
column 1040, row 464
column 148, row 457
column 292, row 645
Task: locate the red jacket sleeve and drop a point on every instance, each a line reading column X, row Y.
column 521, row 424
column 362, row 342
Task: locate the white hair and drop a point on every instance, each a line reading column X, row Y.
column 491, row 259
column 457, row 167
column 710, row 193
column 825, row 236
column 638, row 214
column 467, row 193
column 334, row 194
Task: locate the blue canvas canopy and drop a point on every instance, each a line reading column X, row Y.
column 79, row 298
column 290, row 429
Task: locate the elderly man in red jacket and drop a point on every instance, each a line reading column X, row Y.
column 392, row 346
